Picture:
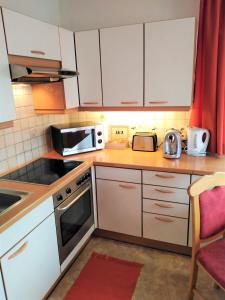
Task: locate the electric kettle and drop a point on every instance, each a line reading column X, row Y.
column 197, row 141
column 172, row 144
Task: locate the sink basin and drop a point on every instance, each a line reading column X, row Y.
column 10, row 197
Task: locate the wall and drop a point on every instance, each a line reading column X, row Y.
column 29, row 137
column 45, row 10
column 90, row 14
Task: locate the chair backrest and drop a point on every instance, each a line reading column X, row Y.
column 208, row 199
column 212, row 212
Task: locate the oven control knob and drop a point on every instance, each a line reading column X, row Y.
column 68, row 190
column 79, row 182
column 99, row 133
column 59, row 197
column 100, row 141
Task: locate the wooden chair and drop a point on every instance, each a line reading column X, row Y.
column 208, row 210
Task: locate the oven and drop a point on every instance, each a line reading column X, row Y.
column 74, row 213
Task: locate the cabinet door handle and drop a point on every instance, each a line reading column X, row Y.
column 164, row 205
column 129, row 102
column 94, row 103
column 127, row 186
column 157, row 102
column 165, row 176
column 166, row 220
column 164, row 191
column 18, row 251
column 37, row 52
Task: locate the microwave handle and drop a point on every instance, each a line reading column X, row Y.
column 63, row 208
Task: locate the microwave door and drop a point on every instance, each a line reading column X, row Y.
column 77, row 140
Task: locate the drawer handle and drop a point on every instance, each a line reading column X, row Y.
column 164, row 191
column 129, row 102
column 164, row 205
column 20, row 250
column 165, row 176
column 94, row 103
column 127, row 186
column 157, row 102
column 37, row 52
column 166, row 220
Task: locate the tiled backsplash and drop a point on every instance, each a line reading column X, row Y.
column 29, row 137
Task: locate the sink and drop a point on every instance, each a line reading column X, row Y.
column 10, row 197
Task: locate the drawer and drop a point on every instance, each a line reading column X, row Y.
column 167, row 194
column 25, row 225
column 119, row 174
column 166, row 179
column 195, row 177
column 166, row 229
column 166, row 208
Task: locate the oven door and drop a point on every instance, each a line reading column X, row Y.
column 74, row 217
column 77, row 140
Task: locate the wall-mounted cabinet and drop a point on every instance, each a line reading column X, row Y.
column 88, row 65
column 30, row 37
column 7, row 107
column 122, row 65
column 169, row 59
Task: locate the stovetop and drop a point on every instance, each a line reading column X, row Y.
column 43, row 171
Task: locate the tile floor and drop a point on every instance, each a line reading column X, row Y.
column 164, row 275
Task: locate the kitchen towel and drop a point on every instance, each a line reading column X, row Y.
column 105, row 278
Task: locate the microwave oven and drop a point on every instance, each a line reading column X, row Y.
column 73, row 138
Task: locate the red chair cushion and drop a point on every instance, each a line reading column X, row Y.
column 212, row 258
column 212, row 211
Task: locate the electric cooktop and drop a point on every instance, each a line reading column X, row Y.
column 43, row 171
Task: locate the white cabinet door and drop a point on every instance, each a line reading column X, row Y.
column 30, row 37
column 67, row 48
column 122, row 65
column 32, row 266
column 119, row 206
column 7, row 107
column 169, row 58
column 88, row 64
column 2, row 292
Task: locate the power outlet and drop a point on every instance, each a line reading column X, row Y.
column 119, row 132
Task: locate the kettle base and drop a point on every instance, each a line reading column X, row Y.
column 171, row 155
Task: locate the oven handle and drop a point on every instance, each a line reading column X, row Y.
column 74, row 200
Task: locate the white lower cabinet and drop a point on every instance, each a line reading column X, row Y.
column 119, row 206
column 2, row 292
column 31, row 267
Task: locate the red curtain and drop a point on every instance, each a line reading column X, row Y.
column 208, row 109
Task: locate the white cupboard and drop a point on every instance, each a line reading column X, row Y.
column 2, row 292
column 169, row 60
column 30, row 37
column 7, row 107
column 88, row 65
column 119, row 206
column 68, row 58
column 31, row 267
column 122, row 65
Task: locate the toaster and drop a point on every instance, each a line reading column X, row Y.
column 144, row 141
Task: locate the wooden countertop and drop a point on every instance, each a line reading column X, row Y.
column 108, row 157
column 127, row 158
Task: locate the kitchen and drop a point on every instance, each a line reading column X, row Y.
column 114, row 182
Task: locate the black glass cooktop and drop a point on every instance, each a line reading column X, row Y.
column 43, row 171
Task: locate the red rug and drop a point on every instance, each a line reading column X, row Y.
column 105, row 278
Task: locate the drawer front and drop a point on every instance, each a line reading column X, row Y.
column 26, row 224
column 195, row 177
column 119, row 174
column 166, row 179
column 167, row 194
column 165, row 229
column 166, row 208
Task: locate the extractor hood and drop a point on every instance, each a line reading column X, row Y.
column 30, row 74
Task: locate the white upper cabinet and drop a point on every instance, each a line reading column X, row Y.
column 88, row 64
column 29, row 37
column 68, row 58
column 122, row 65
column 169, row 58
column 7, row 107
